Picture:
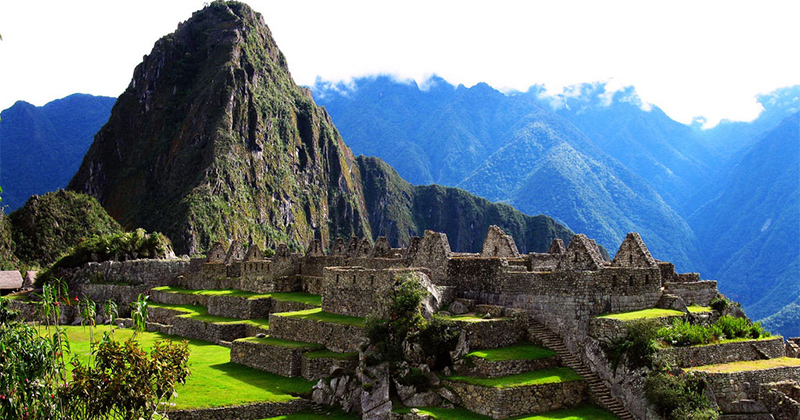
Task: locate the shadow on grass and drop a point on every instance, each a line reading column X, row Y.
column 298, row 386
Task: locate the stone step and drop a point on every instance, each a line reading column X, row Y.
column 235, row 303
column 338, row 333
column 194, row 322
column 597, row 388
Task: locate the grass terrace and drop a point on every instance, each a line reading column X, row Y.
column 536, row 377
column 525, row 351
column 747, row 365
column 302, row 297
column 579, row 412
column 282, row 343
column 643, row 314
column 317, row 314
column 200, row 313
column 472, row 318
column 697, row 309
column 214, row 380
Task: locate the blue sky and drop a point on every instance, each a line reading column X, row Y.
column 690, row 58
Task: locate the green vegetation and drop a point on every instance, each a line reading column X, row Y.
column 536, row 377
column 696, row 309
column 643, row 314
column 317, row 314
column 301, row 297
column 282, row 343
column 579, row 412
column 684, row 333
column 679, row 397
column 524, row 351
column 214, row 381
column 471, row 318
column 200, row 313
column 48, row 226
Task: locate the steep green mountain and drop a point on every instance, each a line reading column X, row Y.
column 750, row 230
column 41, row 147
column 48, row 226
column 400, row 210
column 213, row 140
column 548, row 166
column 669, row 155
column 436, row 135
column 511, row 148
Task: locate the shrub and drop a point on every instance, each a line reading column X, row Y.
column 679, row 397
column 638, row 345
column 720, row 303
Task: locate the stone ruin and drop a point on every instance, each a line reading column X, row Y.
column 552, row 298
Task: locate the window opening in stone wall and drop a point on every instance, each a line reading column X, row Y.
column 630, row 281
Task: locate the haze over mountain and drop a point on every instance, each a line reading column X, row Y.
column 603, row 163
column 214, row 141
column 41, row 147
column 510, row 148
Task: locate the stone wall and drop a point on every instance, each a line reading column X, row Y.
column 336, row 337
column 260, row 354
column 694, row 292
column 731, row 387
column 359, row 291
column 122, row 295
column 242, row 412
column 239, row 307
column 724, row 353
column 610, row 329
column 500, row 403
column 314, row 368
column 171, row 298
column 150, row 273
column 493, row 333
column 783, row 399
column 211, row 332
column 482, row 368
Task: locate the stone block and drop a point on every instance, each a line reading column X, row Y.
column 500, row 403
column 276, row 356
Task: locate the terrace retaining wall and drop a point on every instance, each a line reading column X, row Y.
column 713, row 354
column 500, row 403
column 340, row 338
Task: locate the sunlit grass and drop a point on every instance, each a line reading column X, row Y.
column 200, row 313
column 282, row 343
column 317, row 314
column 302, row 297
column 643, row 314
column 536, row 377
column 525, row 351
column 748, row 365
column 214, row 380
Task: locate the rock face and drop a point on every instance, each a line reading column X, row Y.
column 213, row 141
column 213, row 134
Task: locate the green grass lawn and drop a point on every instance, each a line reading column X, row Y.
column 748, row 365
column 525, row 351
column 214, row 380
column 472, row 318
column 536, row 377
column 302, row 297
column 698, row 309
column 317, row 314
column 579, row 412
column 201, row 313
column 643, row 314
column 282, row 343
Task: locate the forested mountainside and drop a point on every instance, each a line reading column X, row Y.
column 42, row 147
column 604, row 163
column 509, row 148
column 214, row 141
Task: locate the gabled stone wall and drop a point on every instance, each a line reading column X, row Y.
column 359, row 291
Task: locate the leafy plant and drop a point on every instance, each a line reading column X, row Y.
column 638, row 345
column 679, row 397
column 124, row 382
column 139, row 313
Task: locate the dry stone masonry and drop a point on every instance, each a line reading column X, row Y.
column 551, row 298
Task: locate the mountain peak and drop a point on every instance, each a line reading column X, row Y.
column 213, row 141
